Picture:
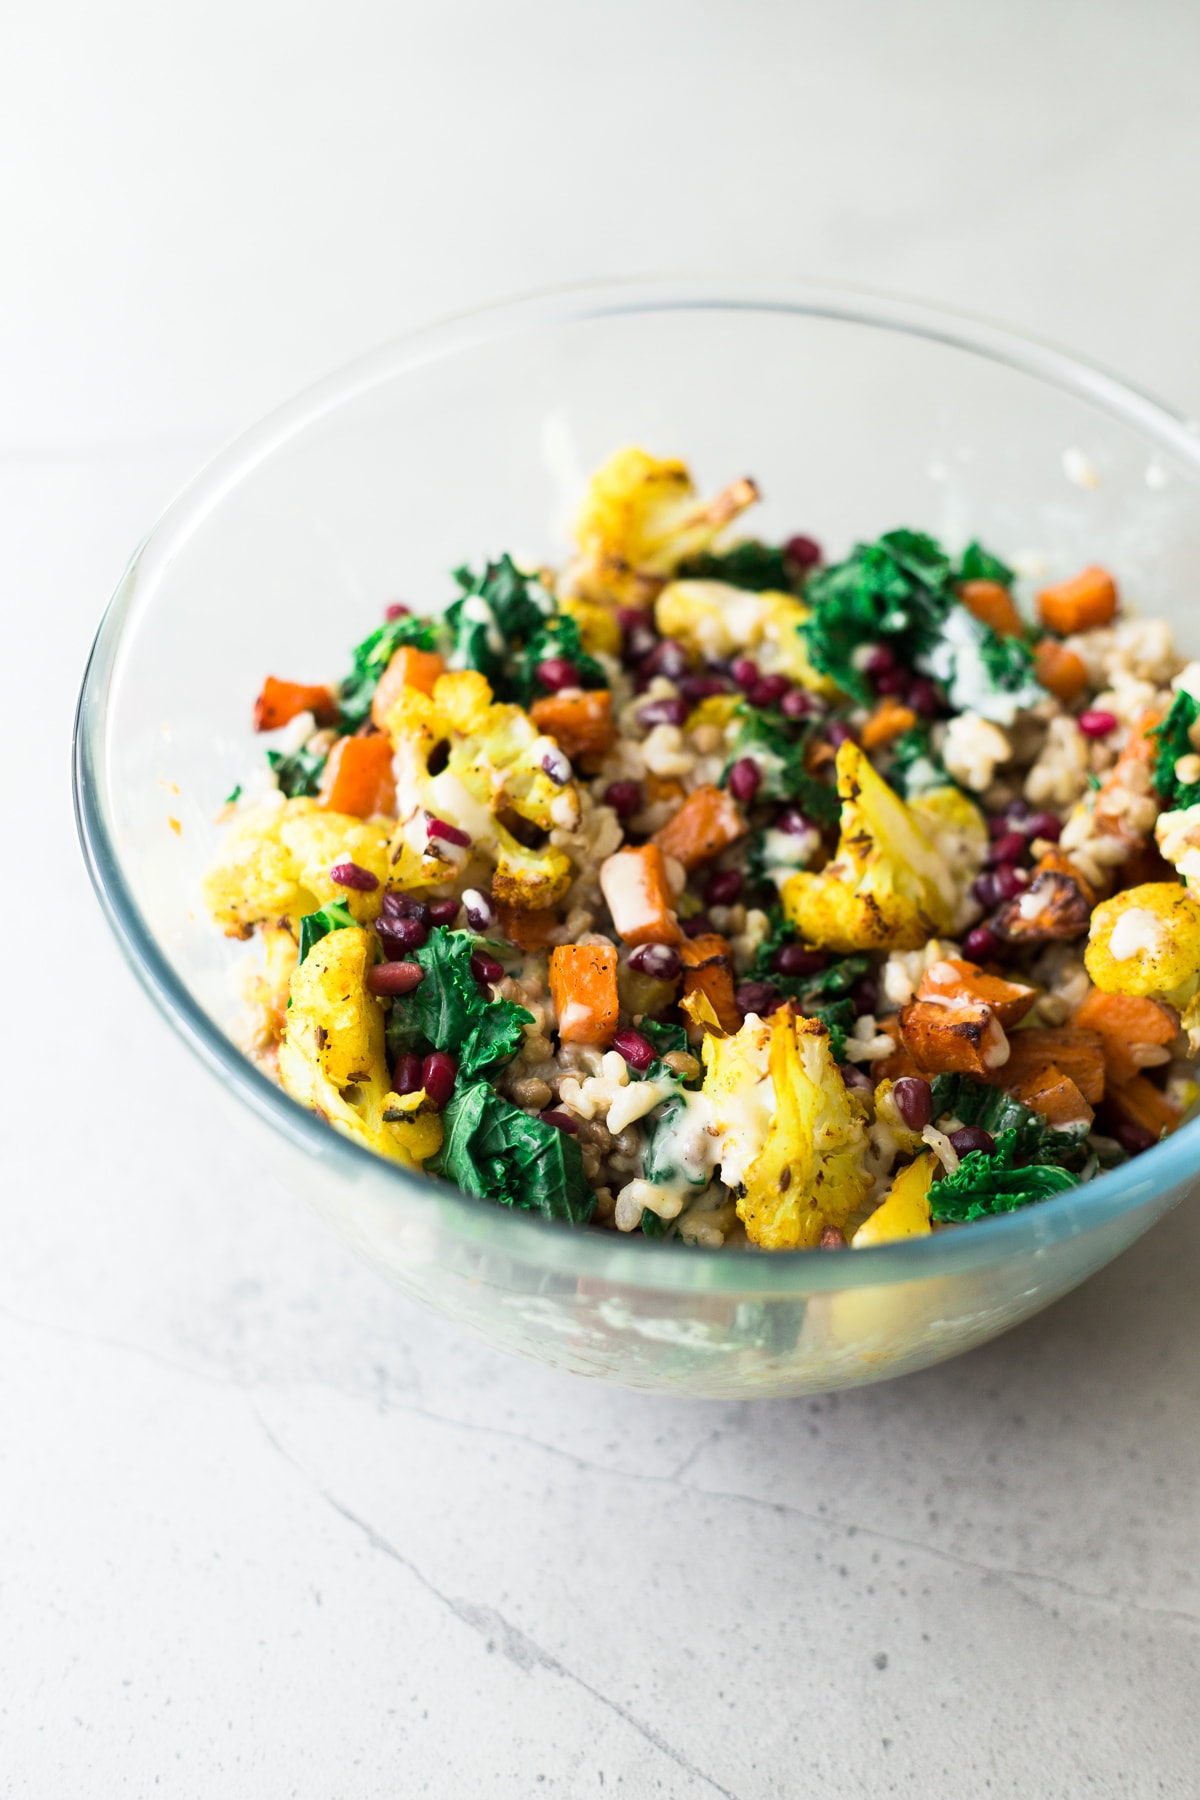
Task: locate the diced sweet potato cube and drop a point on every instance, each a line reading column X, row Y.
column 708, row 969
column 282, row 701
column 1057, row 904
column 583, row 986
column 635, row 886
column 991, row 602
column 1079, row 1054
column 527, row 930
column 1080, row 604
column 1049, row 1092
column 580, row 723
column 707, row 823
column 1059, row 670
column 661, row 787
column 1135, row 1032
column 1139, row 1102
column 409, row 667
column 358, row 777
column 962, row 1039
column 889, row 720
column 960, row 980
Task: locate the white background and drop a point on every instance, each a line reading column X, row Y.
column 266, row 1529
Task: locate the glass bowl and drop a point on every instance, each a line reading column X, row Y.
column 855, row 413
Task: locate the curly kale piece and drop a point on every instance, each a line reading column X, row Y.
column 371, row 658
column 334, row 916
column 777, row 747
column 978, row 564
column 298, row 773
column 496, row 1152
column 1175, row 741
column 556, row 637
column 449, row 1012
column 751, row 564
column 985, row 1183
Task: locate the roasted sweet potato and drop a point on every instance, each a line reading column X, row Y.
column 580, row 723
column 991, row 602
column 1135, row 1032
column 962, row 1039
column 658, row 788
column 1132, row 773
column 358, row 777
column 1139, row 1102
column 1078, row 1054
column 889, row 720
column 635, row 885
column 409, row 667
column 583, row 986
column 1057, row 904
column 282, row 701
column 1080, row 604
column 1049, row 1092
column 1059, row 670
column 707, row 823
column 708, row 969
column 966, row 981
column 527, row 930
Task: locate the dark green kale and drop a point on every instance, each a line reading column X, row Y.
column 1174, row 741
column 751, row 564
column 653, row 1226
column 315, row 925
column 838, row 1019
column 664, row 1038
column 495, row 614
column 978, row 564
column 299, row 772
column 998, row 1182
column 554, row 637
column 371, row 658
column 496, row 1152
column 778, row 748
column 232, row 799
column 897, row 591
column 449, row 1012
column 915, row 765
column 830, row 983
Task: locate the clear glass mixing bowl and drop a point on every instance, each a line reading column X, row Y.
column 856, row 413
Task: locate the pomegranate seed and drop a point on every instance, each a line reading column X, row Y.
column 561, row 1121
column 631, row 618
column 556, row 766
column 480, row 913
column 639, row 645
column 922, row 696
column 638, row 1051
column 673, row 711
column 878, row 661
column 1096, row 724
column 865, row 994
column 999, row 825
column 700, row 926
column 1134, row 1138
column 753, row 996
column 773, row 1005
column 1009, row 881
column 792, row 820
column 1008, row 849
column 1045, row 825
column 397, row 610
column 399, row 935
column 485, row 968
column 981, row 944
column 973, row 1137
column 796, row 704
column 803, row 550
column 744, row 670
column 437, row 1078
column 351, row 875
column 625, row 798
column 1017, row 811
column 658, row 961
column 769, row 691
column 703, row 687
column 914, row 1101
column 667, row 658
column 450, row 834
column 839, row 733
column 395, row 977
column 557, row 672
column 443, row 912
column 406, row 1077
column 723, row 888
column 745, row 779
column 893, row 681
column 794, row 959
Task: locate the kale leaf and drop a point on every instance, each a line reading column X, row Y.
column 778, row 749
column 837, row 1018
column 978, row 564
column 830, row 983
column 334, row 916
column 448, row 1010
column 987, row 1183
column 299, row 772
column 371, row 658
column 976, row 1103
column 494, row 1151
column 232, row 799
column 1175, row 741
column 664, row 1038
column 558, row 636
column 915, row 765
column 752, row 564
column 495, row 614
column 897, row 590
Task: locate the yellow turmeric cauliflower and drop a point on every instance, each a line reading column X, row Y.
column 713, row 620
column 333, row 1056
column 275, row 863
column 1146, row 941
column 889, row 887
column 640, row 520
column 495, row 761
column 790, row 1139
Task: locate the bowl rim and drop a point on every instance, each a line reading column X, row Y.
column 628, row 1261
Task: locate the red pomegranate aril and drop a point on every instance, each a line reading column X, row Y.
column 638, row 1051
column 699, row 926
column 723, row 888
column 878, row 661
column 437, row 1078
column 629, row 618
column 744, row 671
column 557, row 672
column 769, row 691
column 397, row 610
column 892, row 682
column 561, row 1121
column 672, row 711
column 703, row 687
column 1134, row 1138
column 667, row 658
column 745, row 779
column 865, row 994
column 999, row 825
column 796, row 704
column 981, row 944
column 391, row 978
column 625, row 798
column 399, row 935
column 478, row 908
column 1096, row 724
column 1046, row 825
column 839, row 733
column 639, row 644
column 406, row 1077
column 792, row 820
column 449, row 834
column 973, row 1137
column 1009, row 882
column 803, row 550
column 794, row 959
column 914, row 1101
column 922, row 696
column 658, row 961
column 486, row 968
column 753, row 996
column 1008, row 849
column 351, row 875
column 443, row 912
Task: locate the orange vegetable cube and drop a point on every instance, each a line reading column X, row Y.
column 580, row 723
column 708, row 969
column 1079, row 1054
column 889, row 720
column 1087, row 600
column 282, row 701
column 991, row 602
column 358, row 777
column 1049, row 1092
column 966, row 981
column 527, row 930
column 1139, row 1102
column 707, row 823
column 964, row 1038
column 583, row 986
column 409, row 667
column 635, row 886
column 1135, row 1032
column 1059, row 670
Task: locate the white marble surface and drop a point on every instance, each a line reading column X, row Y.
column 265, row 1529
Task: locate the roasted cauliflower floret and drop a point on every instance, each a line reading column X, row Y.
column 889, row 887
column 275, row 864
column 1178, row 836
column 713, row 620
column 790, row 1139
column 640, row 520
column 1146, row 941
column 333, row 1056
